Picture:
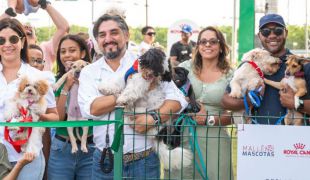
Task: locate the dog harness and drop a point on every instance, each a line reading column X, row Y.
column 17, row 144
column 132, row 70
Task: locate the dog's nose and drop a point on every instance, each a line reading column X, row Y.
column 29, row 91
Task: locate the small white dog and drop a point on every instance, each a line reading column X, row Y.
column 144, row 93
column 74, row 112
column 27, row 105
column 250, row 75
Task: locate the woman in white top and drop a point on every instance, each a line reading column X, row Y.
column 13, row 65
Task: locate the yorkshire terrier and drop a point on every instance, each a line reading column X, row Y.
column 295, row 79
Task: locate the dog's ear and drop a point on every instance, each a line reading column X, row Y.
column 167, row 75
column 22, row 85
column 42, row 87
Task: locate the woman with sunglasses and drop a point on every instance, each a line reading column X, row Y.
column 13, row 66
column 209, row 74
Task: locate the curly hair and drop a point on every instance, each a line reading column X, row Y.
column 223, row 63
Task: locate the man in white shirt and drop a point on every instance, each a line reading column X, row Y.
column 112, row 35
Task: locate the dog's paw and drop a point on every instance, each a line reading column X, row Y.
column 122, row 101
column 235, row 94
column 84, row 148
column 13, row 128
column 74, row 149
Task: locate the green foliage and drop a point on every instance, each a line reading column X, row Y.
column 296, row 37
column 227, row 31
column 295, row 40
column 46, row 33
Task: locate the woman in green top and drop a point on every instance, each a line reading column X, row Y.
column 63, row 164
column 209, row 74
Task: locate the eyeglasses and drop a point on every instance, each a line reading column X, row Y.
column 38, row 61
column 212, row 42
column 278, row 31
column 13, row 39
column 151, row 33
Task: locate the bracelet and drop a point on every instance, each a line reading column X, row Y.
column 155, row 116
column 210, row 121
column 64, row 92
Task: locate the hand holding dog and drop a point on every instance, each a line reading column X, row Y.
column 70, row 81
column 287, row 97
column 142, row 123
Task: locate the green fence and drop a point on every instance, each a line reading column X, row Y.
column 213, row 148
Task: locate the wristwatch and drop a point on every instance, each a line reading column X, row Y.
column 210, row 121
column 43, row 3
column 301, row 105
column 155, row 116
column 64, row 92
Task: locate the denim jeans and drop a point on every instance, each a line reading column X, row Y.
column 63, row 165
column 33, row 170
column 146, row 168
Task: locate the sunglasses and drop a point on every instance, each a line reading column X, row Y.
column 278, row 31
column 12, row 39
column 151, row 33
column 38, row 61
column 212, row 42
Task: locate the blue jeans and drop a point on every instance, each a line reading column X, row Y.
column 63, row 165
column 146, row 168
column 33, row 170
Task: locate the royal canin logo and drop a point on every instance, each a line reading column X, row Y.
column 299, row 150
column 299, row 146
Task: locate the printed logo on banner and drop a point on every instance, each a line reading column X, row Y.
column 298, row 149
column 258, row 151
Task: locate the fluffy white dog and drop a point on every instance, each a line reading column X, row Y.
column 27, row 106
column 250, row 75
column 144, row 93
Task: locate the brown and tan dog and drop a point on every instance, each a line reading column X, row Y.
column 294, row 78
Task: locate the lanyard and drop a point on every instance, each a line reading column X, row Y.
column 108, row 166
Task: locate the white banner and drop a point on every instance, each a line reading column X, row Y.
column 267, row 152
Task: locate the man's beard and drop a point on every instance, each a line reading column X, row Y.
column 112, row 54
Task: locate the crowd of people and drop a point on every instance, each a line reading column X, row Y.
column 210, row 73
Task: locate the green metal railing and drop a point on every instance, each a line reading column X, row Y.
column 218, row 145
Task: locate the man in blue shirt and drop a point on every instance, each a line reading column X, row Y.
column 272, row 34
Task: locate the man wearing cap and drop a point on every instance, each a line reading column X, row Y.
column 272, row 34
column 182, row 50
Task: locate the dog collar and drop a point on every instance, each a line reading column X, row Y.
column 299, row 74
column 258, row 70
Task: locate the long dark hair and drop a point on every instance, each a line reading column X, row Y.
column 61, row 70
column 16, row 26
column 223, row 63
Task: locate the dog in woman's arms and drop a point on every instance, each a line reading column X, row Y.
column 250, row 75
column 26, row 106
column 144, row 93
column 74, row 112
column 295, row 79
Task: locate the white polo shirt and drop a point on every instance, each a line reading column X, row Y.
column 8, row 91
column 90, row 78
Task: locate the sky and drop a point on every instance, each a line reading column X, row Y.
column 162, row 13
